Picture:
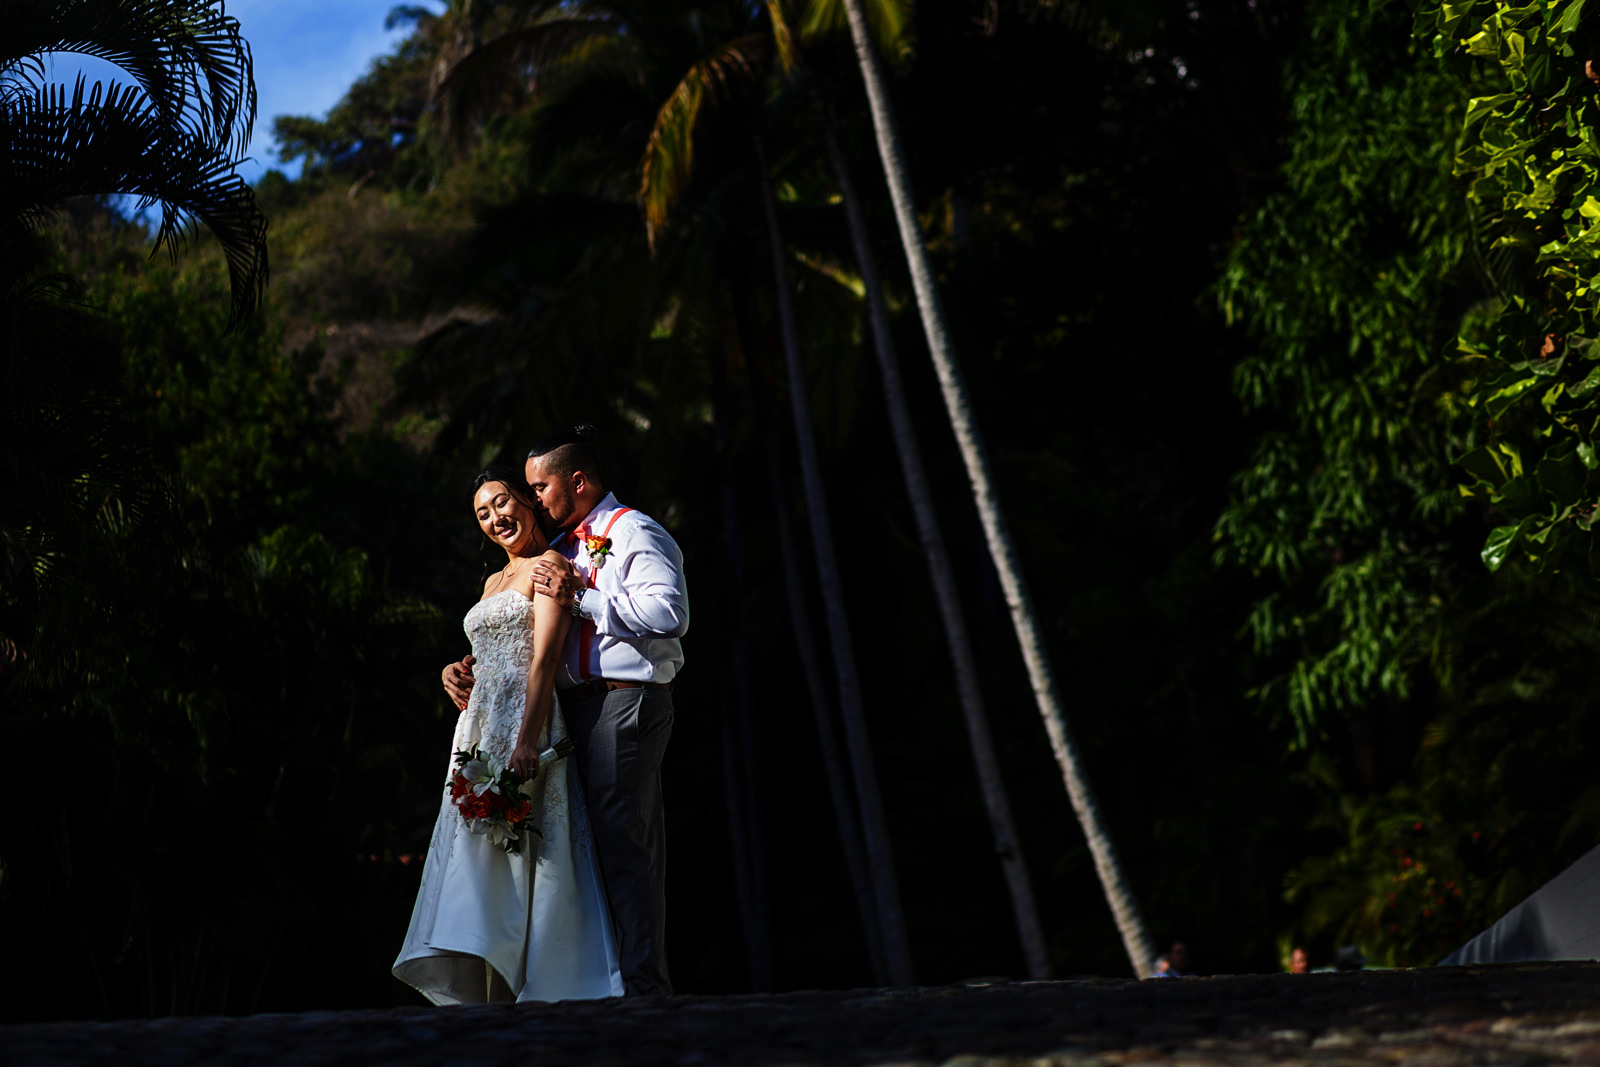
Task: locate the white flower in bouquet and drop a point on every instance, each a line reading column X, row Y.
column 482, row 774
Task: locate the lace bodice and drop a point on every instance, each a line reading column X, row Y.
column 500, row 628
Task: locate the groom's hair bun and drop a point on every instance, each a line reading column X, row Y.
column 569, row 450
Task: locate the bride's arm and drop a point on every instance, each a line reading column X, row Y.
column 550, row 622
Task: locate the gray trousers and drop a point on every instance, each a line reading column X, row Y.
column 620, row 738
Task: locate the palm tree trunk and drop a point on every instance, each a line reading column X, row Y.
column 1002, row 826
column 844, row 805
column 874, row 828
column 1123, row 907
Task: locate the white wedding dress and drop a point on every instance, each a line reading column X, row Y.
column 538, row 917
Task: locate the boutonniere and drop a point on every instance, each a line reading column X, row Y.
column 599, row 548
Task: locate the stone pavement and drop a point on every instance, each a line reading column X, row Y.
column 1520, row 1016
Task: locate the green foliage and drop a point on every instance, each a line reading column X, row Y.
column 1442, row 709
column 1528, row 148
column 1351, row 278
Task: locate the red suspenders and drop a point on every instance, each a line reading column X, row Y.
column 586, row 632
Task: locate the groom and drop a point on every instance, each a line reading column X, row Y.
column 625, row 588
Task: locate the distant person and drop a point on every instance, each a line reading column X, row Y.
column 1299, row 961
column 619, row 575
column 519, row 915
column 1175, row 964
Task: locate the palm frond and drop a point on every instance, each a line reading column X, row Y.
column 188, row 56
column 113, row 140
column 668, row 161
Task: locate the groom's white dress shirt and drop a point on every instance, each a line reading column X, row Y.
column 638, row 603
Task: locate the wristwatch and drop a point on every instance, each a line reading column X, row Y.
column 577, row 599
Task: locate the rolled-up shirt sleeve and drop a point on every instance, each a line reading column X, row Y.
column 650, row 597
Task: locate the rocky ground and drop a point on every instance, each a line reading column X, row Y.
column 1442, row 1017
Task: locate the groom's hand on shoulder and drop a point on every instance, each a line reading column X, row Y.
column 457, row 678
column 559, row 580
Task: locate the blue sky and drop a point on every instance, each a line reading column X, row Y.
column 307, row 52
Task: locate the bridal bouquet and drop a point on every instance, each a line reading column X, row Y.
column 492, row 800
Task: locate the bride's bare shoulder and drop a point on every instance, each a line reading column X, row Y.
column 493, row 585
column 553, row 555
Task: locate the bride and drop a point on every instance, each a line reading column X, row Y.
column 491, row 925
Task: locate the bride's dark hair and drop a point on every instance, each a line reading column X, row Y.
column 518, row 487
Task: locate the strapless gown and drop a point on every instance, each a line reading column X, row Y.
column 538, row 917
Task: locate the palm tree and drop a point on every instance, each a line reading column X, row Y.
column 1006, row 845
column 1130, row 924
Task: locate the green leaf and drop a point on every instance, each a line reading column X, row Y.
column 1481, row 107
column 1568, row 22
column 1484, row 44
column 1451, row 16
column 1503, row 398
column 1512, row 453
column 1502, row 539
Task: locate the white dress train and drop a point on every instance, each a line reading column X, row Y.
column 538, row 917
